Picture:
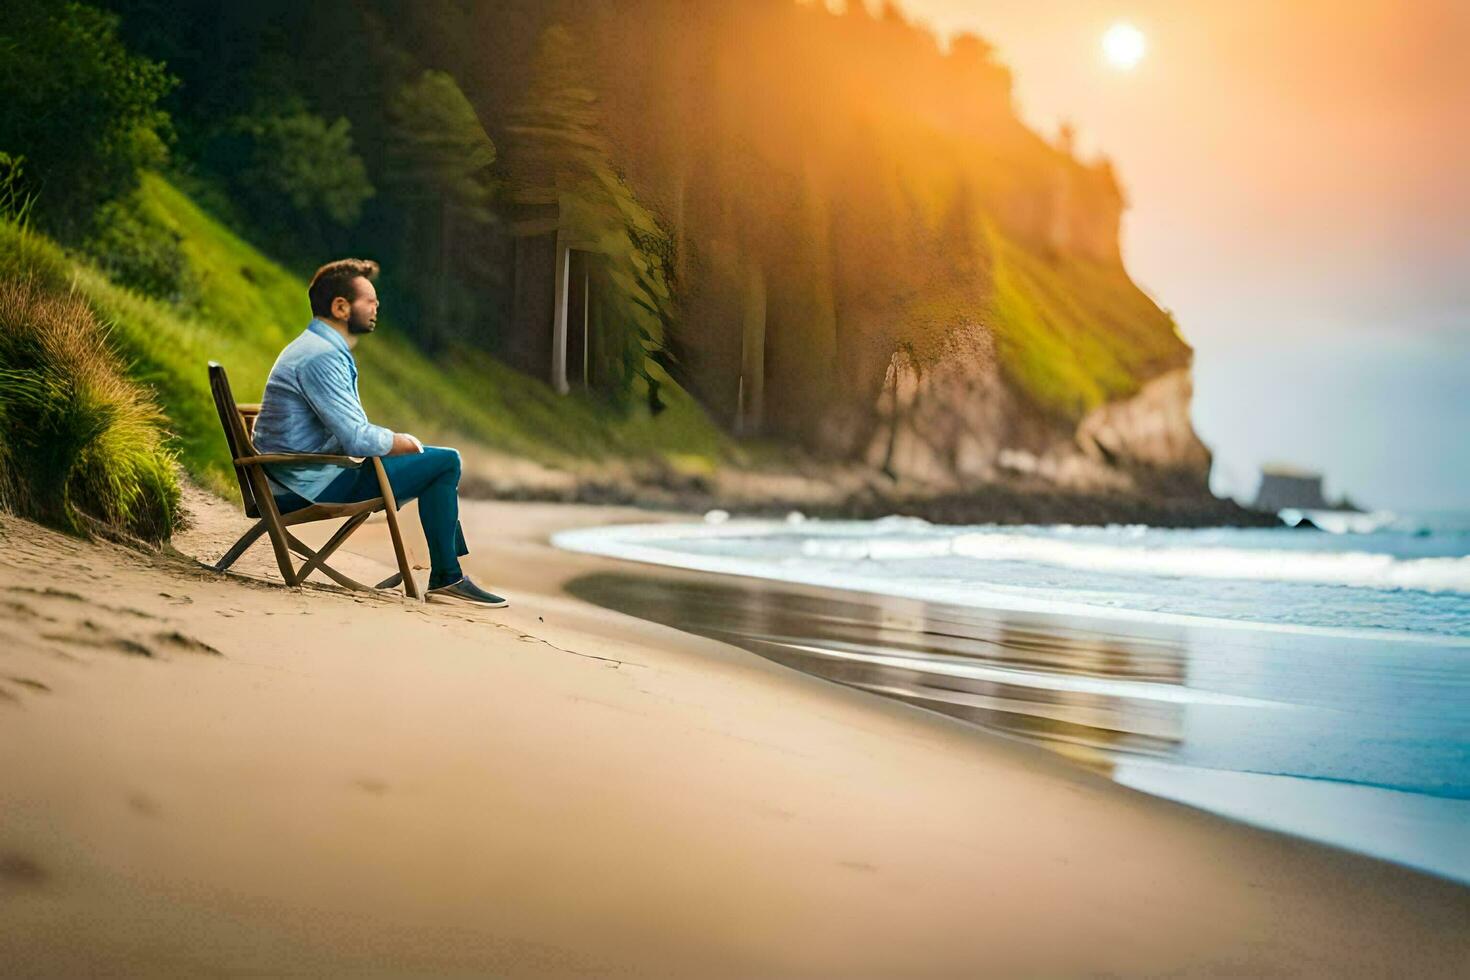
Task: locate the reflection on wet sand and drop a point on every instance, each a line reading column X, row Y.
column 990, row 670
column 1361, row 741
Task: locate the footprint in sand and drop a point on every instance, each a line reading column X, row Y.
column 12, row 609
column 143, row 805
column 97, row 638
column 17, row 869
column 188, row 644
column 94, row 635
column 371, row 786
column 72, row 597
column 48, row 593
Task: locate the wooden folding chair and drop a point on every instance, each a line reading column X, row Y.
column 239, row 422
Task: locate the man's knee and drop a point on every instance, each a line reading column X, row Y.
column 447, row 458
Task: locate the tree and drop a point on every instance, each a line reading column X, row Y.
column 555, row 152
column 437, row 149
column 79, row 107
column 300, row 166
column 438, row 166
column 554, row 141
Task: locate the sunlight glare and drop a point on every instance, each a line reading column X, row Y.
column 1123, row 46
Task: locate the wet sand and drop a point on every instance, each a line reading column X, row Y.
column 1357, row 741
column 203, row 775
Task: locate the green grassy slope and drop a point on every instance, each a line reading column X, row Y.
column 249, row 308
column 81, row 445
column 1074, row 333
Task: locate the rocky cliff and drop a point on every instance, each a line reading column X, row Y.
column 876, row 259
column 957, row 424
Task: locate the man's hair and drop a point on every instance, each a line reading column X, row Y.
column 335, row 279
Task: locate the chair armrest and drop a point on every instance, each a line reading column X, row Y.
column 300, row 458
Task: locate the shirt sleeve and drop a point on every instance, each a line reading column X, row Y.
column 327, row 384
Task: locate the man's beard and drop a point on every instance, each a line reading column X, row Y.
column 357, row 324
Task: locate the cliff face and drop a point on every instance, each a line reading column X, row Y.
column 1150, row 429
column 1049, row 365
column 958, row 424
column 876, row 258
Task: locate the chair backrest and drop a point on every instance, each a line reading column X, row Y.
column 236, row 436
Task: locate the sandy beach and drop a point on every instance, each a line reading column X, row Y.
column 202, row 774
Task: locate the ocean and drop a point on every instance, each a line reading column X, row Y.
column 1312, row 682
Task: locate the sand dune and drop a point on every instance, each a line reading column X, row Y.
column 204, row 774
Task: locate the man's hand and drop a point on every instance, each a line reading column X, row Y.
column 404, row 443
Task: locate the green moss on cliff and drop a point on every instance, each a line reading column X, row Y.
column 1073, row 333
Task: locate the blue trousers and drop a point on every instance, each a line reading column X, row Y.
column 432, row 477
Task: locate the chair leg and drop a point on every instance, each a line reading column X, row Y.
column 306, row 552
column 390, row 509
column 348, row 526
column 240, row 547
column 271, row 518
column 391, row 582
column 278, row 537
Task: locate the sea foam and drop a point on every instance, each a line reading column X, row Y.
column 1357, row 569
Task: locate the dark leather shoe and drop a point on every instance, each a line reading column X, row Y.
column 469, row 592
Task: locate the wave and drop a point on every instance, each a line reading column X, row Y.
column 1355, row 569
column 669, row 545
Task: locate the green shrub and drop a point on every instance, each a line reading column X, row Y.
column 81, row 446
column 15, row 201
column 24, row 254
column 80, row 107
column 139, row 252
column 291, row 176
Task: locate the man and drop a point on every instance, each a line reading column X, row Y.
column 311, row 405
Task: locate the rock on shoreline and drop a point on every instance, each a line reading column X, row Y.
column 846, row 494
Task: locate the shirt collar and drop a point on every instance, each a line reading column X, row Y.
column 325, row 330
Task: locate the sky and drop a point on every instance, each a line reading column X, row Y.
column 1298, row 177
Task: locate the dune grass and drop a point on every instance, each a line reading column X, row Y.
column 82, row 447
column 249, row 307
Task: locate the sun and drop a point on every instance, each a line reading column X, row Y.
column 1123, row 46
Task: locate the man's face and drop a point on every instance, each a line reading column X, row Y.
column 362, row 314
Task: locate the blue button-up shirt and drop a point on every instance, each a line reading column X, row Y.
column 311, row 405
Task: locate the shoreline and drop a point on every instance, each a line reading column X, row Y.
column 851, row 491
column 652, row 558
column 359, row 784
column 996, row 504
column 1222, row 720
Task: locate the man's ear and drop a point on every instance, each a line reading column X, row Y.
column 345, row 308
